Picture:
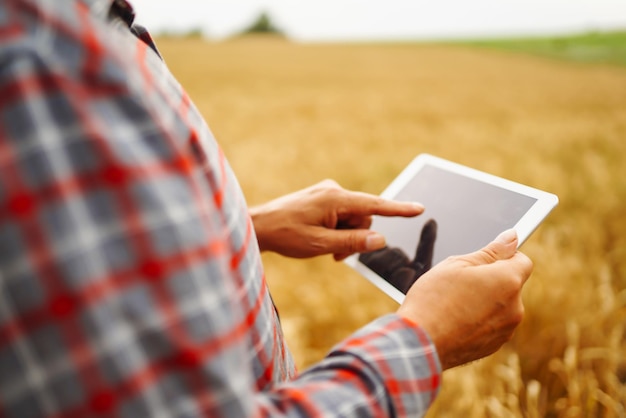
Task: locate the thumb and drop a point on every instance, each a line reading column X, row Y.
column 503, row 247
column 350, row 241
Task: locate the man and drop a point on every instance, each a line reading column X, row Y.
column 130, row 277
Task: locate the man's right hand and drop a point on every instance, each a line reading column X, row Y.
column 470, row 305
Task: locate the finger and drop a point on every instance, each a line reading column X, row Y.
column 327, row 184
column 524, row 264
column 501, row 248
column 424, row 253
column 355, row 222
column 358, row 222
column 364, row 204
column 341, row 257
column 350, row 241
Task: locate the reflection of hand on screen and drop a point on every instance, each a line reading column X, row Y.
column 395, row 266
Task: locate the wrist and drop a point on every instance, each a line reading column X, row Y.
column 425, row 338
column 257, row 215
column 430, row 328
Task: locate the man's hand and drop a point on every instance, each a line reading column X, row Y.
column 324, row 219
column 470, row 305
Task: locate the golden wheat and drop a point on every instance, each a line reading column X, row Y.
column 289, row 115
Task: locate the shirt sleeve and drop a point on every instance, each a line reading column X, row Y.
column 130, row 280
column 389, row 368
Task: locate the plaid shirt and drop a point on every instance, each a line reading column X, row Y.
column 130, row 277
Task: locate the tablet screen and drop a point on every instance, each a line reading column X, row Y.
column 468, row 213
column 465, row 209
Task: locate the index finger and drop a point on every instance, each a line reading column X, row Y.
column 365, row 204
column 524, row 264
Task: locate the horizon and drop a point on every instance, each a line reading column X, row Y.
column 397, row 20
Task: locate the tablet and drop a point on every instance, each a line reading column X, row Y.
column 465, row 209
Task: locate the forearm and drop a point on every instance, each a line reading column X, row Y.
column 388, row 368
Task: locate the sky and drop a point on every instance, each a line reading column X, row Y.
column 345, row 20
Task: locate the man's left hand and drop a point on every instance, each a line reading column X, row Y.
column 324, row 219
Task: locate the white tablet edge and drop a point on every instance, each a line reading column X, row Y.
column 524, row 227
column 382, row 284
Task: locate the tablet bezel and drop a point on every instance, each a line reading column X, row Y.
column 525, row 226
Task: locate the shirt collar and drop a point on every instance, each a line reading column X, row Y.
column 112, row 8
column 99, row 7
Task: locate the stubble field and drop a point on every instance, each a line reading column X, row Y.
column 288, row 115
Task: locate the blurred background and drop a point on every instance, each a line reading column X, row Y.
column 533, row 91
column 350, row 20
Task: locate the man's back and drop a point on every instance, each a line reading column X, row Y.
column 123, row 247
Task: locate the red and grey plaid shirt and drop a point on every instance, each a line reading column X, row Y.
column 130, row 277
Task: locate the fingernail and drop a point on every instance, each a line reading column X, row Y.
column 417, row 206
column 374, row 241
column 507, row 236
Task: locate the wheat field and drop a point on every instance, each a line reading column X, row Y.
column 288, row 115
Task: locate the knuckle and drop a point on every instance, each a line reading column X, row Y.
column 527, row 264
column 332, row 194
column 511, row 287
column 456, row 261
column 352, row 243
column 489, row 254
column 319, row 244
column 509, row 335
column 513, row 281
column 514, row 317
column 329, row 184
column 378, row 203
column 517, row 316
